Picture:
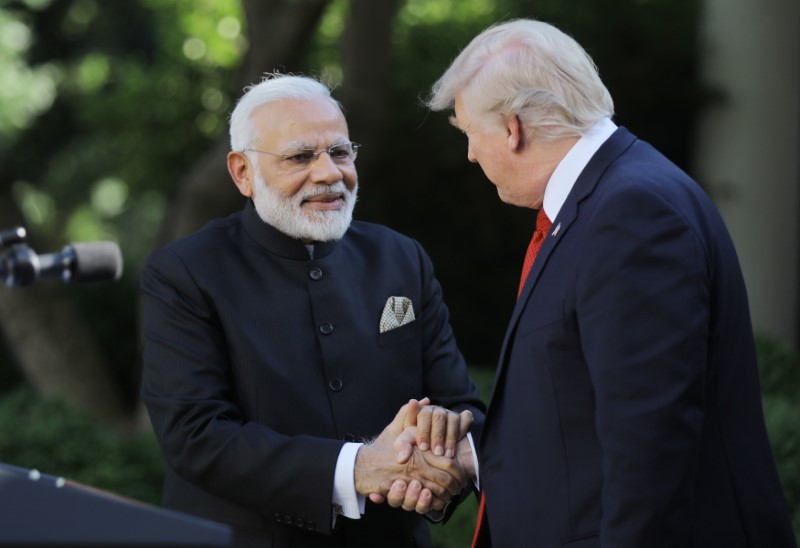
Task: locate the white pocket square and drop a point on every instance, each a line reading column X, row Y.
column 397, row 311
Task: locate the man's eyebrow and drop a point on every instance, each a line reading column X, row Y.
column 455, row 124
column 304, row 145
column 298, row 145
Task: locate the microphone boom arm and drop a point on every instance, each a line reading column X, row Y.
column 80, row 262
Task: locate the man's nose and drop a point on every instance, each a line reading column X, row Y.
column 324, row 169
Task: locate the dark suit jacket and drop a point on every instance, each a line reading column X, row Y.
column 259, row 363
column 626, row 409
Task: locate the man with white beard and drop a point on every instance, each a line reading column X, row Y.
column 279, row 339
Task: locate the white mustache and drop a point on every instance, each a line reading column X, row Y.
column 335, row 188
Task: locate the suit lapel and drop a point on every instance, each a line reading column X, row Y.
column 587, row 181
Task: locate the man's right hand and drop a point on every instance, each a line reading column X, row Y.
column 377, row 467
column 439, row 429
column 413, row 497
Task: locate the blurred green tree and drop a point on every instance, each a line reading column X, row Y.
column 127, row 97
column 113, row 126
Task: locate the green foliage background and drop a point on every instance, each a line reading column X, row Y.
column 105, row 105
column 110, row 103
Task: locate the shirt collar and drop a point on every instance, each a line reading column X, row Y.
column 566, row 173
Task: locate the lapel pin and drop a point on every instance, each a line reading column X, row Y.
column 556, row 229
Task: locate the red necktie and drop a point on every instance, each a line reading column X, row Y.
column 543, row 225
column 481, row 537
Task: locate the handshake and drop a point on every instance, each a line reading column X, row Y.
column 420, row 461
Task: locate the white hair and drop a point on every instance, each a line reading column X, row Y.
column 529, row 69
column 274, row 87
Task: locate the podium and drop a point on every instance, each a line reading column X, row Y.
column 38, row 510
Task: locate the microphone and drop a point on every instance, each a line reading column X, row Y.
column 12, row 236
column 81, row 263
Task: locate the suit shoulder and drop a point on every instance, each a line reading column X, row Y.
column 216, row 233
column 378, row 234
column 381, row 241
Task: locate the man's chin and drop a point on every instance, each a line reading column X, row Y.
column 304, row 221
column 325, row 226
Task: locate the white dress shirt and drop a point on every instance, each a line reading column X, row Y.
column 570, row 167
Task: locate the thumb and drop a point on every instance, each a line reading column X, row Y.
column 406, row 413
column 404, row 443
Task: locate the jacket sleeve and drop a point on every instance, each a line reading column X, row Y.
column 643, row 313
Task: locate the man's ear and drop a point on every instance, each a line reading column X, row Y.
column 515, row 133
column 241, row 172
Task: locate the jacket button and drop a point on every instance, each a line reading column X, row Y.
column 315, row 273
column 326, row 329
column 310, row 525
column 277, row 517
column 335, row 384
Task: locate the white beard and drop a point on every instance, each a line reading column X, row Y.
column 286, row 213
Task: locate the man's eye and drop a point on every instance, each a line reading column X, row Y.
column 301, row 157
column 341, row 152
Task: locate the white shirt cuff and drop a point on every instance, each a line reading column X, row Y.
column 346, row 501
column 477, row 481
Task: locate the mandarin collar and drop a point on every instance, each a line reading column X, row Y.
column 276, row 242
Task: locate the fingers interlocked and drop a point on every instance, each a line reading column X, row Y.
column 438, row 429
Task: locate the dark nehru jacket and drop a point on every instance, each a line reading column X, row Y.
column 260, row 362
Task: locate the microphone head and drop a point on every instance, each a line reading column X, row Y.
column 12, row 236
column 96, row 262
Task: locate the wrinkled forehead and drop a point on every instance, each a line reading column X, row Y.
column 460, row 118
column 311, row 123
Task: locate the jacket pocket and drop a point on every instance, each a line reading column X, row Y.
column 399, row 335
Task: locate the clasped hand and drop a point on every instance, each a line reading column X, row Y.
column 420, row 461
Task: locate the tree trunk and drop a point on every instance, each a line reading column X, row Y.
column 365, row 94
